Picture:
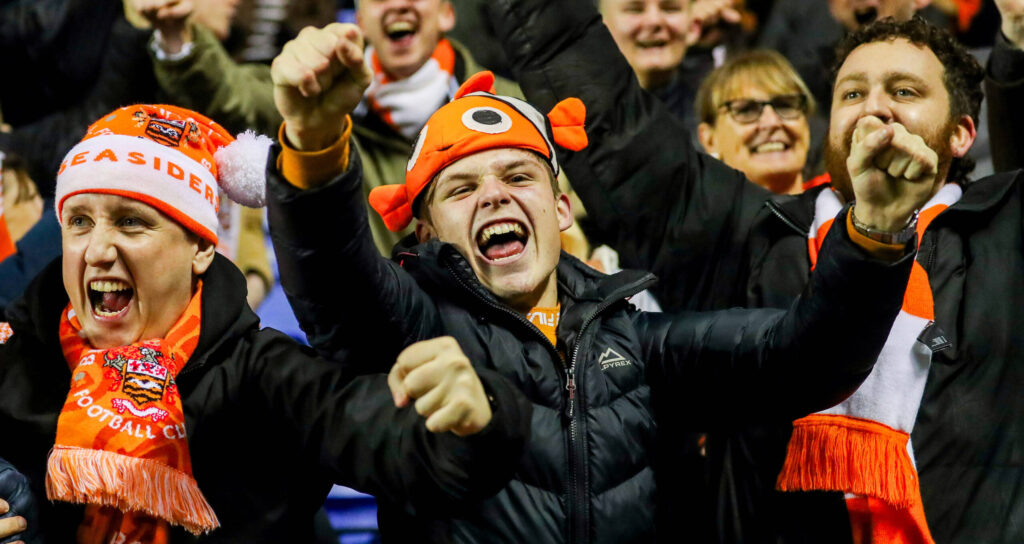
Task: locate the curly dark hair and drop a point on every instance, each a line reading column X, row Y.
column 962, row 78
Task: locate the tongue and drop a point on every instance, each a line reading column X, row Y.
column 504, row 249
column 115, row 301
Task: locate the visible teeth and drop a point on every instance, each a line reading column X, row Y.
column 105, row 313
column 399, row 26
column 770, row 146
column 658, row 43
column 108, row 286
column 500, row 228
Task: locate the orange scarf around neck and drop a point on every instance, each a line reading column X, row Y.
column 121, row 447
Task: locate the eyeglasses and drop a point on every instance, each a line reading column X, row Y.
column 748, row 110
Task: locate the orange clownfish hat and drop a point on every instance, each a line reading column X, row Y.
column 477, row 120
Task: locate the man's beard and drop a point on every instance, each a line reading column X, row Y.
column 835, row 157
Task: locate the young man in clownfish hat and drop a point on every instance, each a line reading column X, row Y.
column 139, row 395
column 484, row 267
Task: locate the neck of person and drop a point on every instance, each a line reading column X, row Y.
column 652, row 80
column 544, row 296
column 783, row 184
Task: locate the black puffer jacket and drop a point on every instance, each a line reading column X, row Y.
column 718, row 241
column 270, row 426
column 588, row 473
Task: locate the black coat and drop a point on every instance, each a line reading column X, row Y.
column 589, row 473
column 718, row 241
column 270, row 426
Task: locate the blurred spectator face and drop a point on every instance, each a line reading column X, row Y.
column 128, row 268
column 404, row 33
column 754, row 118
column 652, row 34
column 216, row 15
column 22, row 205
column 854, row 13
column 898, row 82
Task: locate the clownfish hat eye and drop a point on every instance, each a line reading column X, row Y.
column 477, row 120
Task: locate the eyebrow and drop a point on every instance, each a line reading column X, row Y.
column 861, row 77
column 502, row 168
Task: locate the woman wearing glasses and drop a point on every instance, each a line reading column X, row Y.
column 753, row 113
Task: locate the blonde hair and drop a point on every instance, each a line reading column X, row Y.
column 759, row 67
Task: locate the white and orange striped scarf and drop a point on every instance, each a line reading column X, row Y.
column 862, row 445
column 406, row 104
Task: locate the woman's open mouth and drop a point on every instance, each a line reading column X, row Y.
column 109, row 298
column 502, row 241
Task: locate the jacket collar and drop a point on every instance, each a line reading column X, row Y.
column 986, row 193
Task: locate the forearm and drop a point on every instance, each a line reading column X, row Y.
column 747, row 365
column 1004, row 91
column 363, row 441
column 239, row 96
column 640, row 178
column 344, row 294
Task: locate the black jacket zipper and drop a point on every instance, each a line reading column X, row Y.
column 774, row 208
column 579, row 513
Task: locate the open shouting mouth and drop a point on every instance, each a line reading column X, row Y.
column 401, row 33
column 502, row 241
column 109, row 298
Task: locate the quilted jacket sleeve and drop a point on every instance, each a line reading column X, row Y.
column 345, row 295
column 743, row 366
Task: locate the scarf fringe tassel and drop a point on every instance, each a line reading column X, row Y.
column 852, row 455
column 105, row 478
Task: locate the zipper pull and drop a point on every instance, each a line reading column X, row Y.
column 570, row 386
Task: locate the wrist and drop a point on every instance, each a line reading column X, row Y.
column 313, row 139
column 885, row 231
column 171, row 40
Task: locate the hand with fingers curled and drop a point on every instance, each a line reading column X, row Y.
column 319, row 78
column 170, row 17
column 892, row 172
column 10, row 526
column 438, row 376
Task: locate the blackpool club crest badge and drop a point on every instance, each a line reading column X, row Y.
column 142, row 376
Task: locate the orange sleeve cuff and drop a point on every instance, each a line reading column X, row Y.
column 308, row 169
column 878, row 250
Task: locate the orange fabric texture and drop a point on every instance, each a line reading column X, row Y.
column 874, row 521
column 7, row 247
column 852, row 455
column 307, row 169
column 193, row 134
column 121, row 446
column 477, row 120
column 546, row 319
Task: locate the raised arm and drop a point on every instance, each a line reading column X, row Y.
column 343, row 292
column 742, row 366
column 1004, row 88
column 667, row 208
column 196, row 71
column 457, row 437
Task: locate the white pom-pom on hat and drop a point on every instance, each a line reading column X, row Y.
column 242, row 168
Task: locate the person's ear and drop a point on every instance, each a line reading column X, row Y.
column 706, row 135
column 963, row 136
column 563, row 209
column 203, row 257
column 424, row 231
column 446, row 16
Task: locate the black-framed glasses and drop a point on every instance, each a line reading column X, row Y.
column 748, row 110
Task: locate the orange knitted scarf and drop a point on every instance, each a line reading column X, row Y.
column 121, row 446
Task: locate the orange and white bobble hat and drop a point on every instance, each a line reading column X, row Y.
column 477, row 120
column 171, row 158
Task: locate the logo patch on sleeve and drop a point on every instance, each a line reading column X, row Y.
column 6, row 332
column 612, row 359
